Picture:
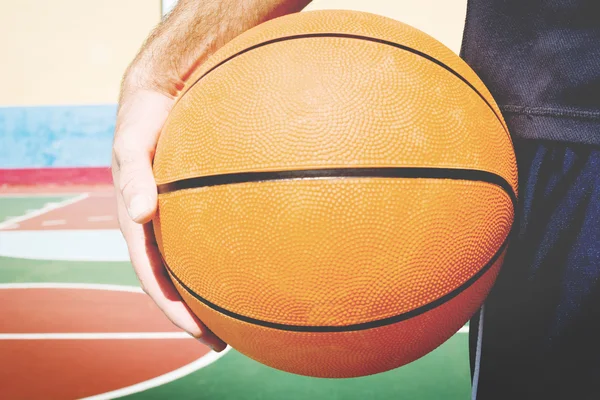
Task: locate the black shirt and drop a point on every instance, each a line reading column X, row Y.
column 541, row 61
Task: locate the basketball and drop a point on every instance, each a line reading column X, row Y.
column 336, row 193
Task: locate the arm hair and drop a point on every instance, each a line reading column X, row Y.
column 192, row 32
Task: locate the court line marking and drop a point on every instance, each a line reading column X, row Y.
column 100, row 218
column 162, row 379
column 45, row 209
column 99, row 286
column 138, row 387
column 110, row 335
column 54, row 222
column 108, row 194
column 12, row 227
column 21, row 195
column 25, row 195
column 60, row 285
column 151, row 383
column 95, row 336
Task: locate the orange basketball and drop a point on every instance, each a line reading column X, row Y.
column 336, row 191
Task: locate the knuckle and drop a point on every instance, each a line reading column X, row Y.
column 131, row 165
column 134, row 181
column 127, row 150
column 121, row 152
column 126, row 182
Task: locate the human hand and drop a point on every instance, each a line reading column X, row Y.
column 142, row 114
column 158, row 74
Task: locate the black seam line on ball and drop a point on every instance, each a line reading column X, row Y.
column 359, row 37
column 354, row 327
column 338, row 173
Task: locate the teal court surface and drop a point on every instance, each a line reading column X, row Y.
column 76, row 324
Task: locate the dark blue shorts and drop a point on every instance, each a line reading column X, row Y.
column 539, row 331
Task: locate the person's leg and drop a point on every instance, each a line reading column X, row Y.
column 540, row 334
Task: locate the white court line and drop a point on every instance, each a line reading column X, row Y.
column 12, row 226
column 85, row 336
column 161, row 380
column 139, row 387
column 22, row 195
column 47, row 208
column 103, row 194
column 60, row 285
column 54, row 222
column 100, row 218
column 94, row 286
column 111, row 335
column 149, row 384
column 95, row 336
column 58, row 195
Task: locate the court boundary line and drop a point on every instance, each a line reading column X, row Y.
column 61, row 285
column 96, row 336
column 162, row 379
column 99, row 286
column 44, row 210
column 24, row 195
column 178, row 373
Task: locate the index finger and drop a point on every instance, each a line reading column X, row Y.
column 156, row 282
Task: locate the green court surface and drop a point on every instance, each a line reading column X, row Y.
column 14, row 206
column 442, row 374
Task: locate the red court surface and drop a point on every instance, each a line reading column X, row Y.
column 72, row 341
column 87, row 206
column 96, row 211
column 82, row 310
column 66, row 354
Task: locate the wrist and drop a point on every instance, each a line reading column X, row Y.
column 150, row 74
column 191, row 34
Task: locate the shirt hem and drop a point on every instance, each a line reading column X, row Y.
column 562, row 125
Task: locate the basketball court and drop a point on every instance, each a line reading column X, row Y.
column 76, row 324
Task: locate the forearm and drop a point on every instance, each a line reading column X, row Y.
column 192, row 32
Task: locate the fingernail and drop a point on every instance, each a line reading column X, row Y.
column 139, row 205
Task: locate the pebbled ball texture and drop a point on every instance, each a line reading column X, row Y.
column 334, row 277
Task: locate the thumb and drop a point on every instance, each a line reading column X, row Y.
column 139, row 122
column 135, row 181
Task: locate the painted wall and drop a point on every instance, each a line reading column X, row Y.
column 57, row 136
column 63, row 61
column 69, row 51
column 442, row 19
